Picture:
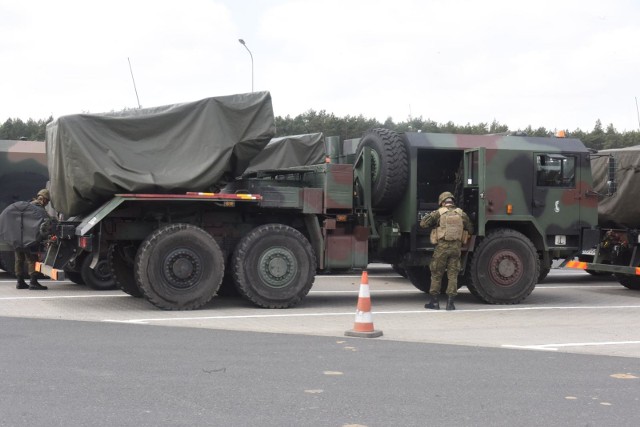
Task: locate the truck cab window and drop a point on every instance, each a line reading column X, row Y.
column 555, row 170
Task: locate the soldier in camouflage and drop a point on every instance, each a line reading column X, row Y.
column 26, row 256
column 451, row 225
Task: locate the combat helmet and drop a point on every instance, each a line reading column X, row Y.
column 44, row 193
column 444, row 196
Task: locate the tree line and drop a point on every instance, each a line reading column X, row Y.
column 31, row 130
column 354, row 126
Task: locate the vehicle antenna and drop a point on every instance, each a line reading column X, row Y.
column 134, row 83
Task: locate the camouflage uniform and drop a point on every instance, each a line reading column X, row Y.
column 26, row 256
column 446, row 256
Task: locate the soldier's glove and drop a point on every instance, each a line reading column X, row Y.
column 46, row 228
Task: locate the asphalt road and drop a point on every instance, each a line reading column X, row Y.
column 568, row 355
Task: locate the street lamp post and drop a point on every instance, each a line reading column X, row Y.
column 245, row 46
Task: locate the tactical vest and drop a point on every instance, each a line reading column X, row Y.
column 450, row 226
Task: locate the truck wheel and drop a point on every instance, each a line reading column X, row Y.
column 228, row 286
column 505, row 267
column 274, row 266
column 121, row 261
column 389, row 166
column 99, row 278
column 465, row 279
column 420, row 277
column 179, row 267
column 629, row 282
column 544, row 271
column 400, row 270
column 74, row 276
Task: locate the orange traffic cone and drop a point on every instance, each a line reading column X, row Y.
column 363, row 326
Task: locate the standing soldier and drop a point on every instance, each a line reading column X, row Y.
column 453, row 229
column 25, row 255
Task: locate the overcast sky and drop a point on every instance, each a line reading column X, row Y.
column 561, row 64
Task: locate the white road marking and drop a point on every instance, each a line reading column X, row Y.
column 376, row 313
column 61, row 297
column 555, row 347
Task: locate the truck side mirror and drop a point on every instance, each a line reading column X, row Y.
column 611, row 177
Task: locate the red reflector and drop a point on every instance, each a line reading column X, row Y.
column 84, row 242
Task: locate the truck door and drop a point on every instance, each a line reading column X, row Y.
column 556, row 199
column 474, row 188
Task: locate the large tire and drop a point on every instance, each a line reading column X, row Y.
column 545, row 269
column 228, row 286
column 505, row 267
column 121, row 263
column 389, row 166
column 274, row 266
column 179, row 267
column 400, row 270
column 629, row 282
column 74, row 276
column 98, row 278
column 420, row 277
column 465, row 279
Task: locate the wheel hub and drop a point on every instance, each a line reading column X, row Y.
column 182, row 268
column 278, row 267
column 102, row 271
column 505, row 268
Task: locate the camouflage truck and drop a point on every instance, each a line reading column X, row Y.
column 23, row 172
column 530, row 199
column 156, row 197
column 613, row 247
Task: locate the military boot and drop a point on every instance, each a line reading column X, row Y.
column 433, row 303
column 21, row 283
column 34, row 285
column 450, row 305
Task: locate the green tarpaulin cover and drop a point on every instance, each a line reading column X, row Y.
column 623, row 208
column 195, row 146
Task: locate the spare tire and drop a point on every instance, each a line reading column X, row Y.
column 389, row 166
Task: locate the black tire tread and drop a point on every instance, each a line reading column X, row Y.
column 503, row 235
column 125, row 280
column 90, row 278
column 629, row 282
column 391, row 185
column 243, row 283
column 148, row 245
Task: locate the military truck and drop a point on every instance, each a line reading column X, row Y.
column 23, row 172
column 164, row 195
column 613, row 247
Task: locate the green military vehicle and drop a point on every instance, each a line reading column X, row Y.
column 23, row 172
column 166, row 196
column 529, row 199
column 613, row 247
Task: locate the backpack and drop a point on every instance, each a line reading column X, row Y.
column 450, row 226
